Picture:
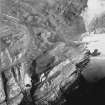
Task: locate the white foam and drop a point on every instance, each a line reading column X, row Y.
column 95, row 41
column 95, row 8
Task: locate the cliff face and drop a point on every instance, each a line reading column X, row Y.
column 41, row 55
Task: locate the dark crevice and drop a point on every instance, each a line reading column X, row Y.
column 5, row 85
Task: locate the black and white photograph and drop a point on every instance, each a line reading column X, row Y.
column 52, row 52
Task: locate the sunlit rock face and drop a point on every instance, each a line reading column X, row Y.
column 39, row 39
column 51, row 46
